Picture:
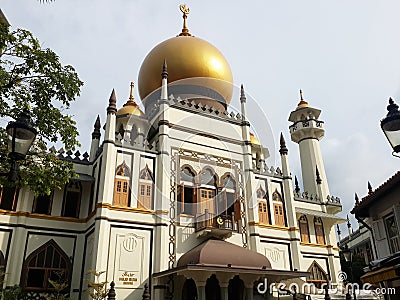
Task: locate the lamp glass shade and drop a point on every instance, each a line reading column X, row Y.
column 20, row 136
column 391, row 129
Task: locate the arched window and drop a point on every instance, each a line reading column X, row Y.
column 121, row 185
column 42, row 204
column 319, row 230
column 47, row 262
column 186, row 195
column 145, row 199
column 236, row 289
column 207, row 192
column 304, row 232
column 227, row 203
column 262, row 199
column 317, row 275
column 72, row 199
column 279, row 212
column 189, row 290
column 8, row 198
column 213, row 290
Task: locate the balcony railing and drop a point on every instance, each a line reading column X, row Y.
column 218, row 223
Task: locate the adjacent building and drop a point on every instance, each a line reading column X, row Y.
column 380, row 212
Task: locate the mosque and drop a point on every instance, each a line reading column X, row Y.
column 178, row 196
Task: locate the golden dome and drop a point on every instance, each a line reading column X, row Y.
column 130, row 107
column 254, row 140
column 188, row 57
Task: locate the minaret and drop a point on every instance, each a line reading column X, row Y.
column 164, row 200
column 106, row 182
column 289, row 196
column 306, row 131
column 95, row 139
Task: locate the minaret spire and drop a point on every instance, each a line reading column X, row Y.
column 283, row 150
column 112, row 103
column 296, row 185
column 164, row 81
column 96, row 131
column 185, row 10
column 164, row 73
column 242, row 94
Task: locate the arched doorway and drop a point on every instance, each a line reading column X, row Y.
column 236, row 289
column 189, row 290
column 213, row 291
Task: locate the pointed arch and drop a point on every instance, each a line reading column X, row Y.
column 187, row 193
column 317, row 275
column 213, row 290
column 189, row 290
column 208, row 176
column 279, row 209
column 208, row 191
column 121, row 185
column 123, row 170
column 228, row 181
column 263, row 207
column 319, row 230
column 304, row 229
column 188, row 174
column 48, row 261
column 72, row 199
column 146, row 185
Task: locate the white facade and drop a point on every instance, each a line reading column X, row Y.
column 137, row 210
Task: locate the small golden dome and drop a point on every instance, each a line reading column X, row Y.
column 130, row 107
column 187, row 57
column 254, row 140
column 302, row 103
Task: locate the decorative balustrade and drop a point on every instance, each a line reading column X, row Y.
column 212, row 221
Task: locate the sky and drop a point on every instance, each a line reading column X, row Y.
column 344, row 55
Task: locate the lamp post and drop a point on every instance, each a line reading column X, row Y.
column 391, row 126
column 21, row 135
column 348, row 257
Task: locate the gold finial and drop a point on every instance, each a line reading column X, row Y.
column 302, row 103
column 131, row 100
column 131, row 97
column 185, row 10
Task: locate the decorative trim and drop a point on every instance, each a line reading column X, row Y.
column 130, row 209
column 275, row 227
column 318, row 245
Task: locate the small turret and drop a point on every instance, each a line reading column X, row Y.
column 95, row 139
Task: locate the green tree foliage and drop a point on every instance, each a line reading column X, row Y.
column 354, row 269
column 34, row 78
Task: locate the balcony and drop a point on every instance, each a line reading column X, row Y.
column 212, row 225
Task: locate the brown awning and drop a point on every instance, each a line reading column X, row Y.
column 221, row 253
column 380, row 275
column 277, row 275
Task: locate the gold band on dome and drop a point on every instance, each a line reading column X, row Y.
column 185, row 10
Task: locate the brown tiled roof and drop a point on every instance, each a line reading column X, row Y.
column 362, row 208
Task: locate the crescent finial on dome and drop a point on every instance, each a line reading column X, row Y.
column 185, row 10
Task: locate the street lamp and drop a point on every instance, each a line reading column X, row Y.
column 21, row 135
column 348, row 257
column 391, row 126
